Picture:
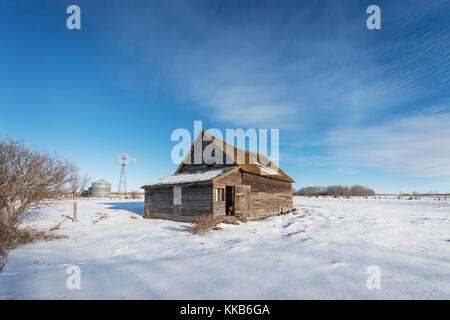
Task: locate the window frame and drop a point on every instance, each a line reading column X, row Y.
column 177, row 196
column 220, row 194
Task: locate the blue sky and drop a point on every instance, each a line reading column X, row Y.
column 353, row 105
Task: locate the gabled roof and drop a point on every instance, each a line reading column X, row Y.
column 255, row 163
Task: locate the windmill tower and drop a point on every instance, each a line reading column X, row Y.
column 123, row 158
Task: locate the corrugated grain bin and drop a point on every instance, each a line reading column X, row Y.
column 101, row 189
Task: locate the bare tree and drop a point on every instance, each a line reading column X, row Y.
column 74, row 184
column 77, row 184
column 84, row 182
column 335, row 191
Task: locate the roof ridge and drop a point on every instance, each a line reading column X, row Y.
column 246, row 166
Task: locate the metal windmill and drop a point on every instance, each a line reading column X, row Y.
column 123, row 158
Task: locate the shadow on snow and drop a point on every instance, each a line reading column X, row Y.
column 135, row 207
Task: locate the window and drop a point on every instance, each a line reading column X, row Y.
column 220, row 194
column 177, row 195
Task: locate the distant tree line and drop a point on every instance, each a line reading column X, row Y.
column 335, row 191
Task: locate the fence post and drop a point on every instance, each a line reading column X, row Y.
column 75, row 212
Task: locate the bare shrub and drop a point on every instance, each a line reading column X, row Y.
column 29, row 179
column 3, row 256
column 204, row 224
column 208, row 222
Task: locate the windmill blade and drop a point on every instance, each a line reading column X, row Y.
column 123, row 158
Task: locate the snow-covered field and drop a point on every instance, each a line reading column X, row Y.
column 322, row 252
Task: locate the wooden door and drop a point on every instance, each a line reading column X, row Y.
column 242, row 200
column 229, row 200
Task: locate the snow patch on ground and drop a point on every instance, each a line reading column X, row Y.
column 320, row 252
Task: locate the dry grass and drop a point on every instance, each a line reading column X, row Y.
column 11, row 238
column 136, row 195
column 254, row 219
column 100, row 216
column 20, row 237
column 58, row 226
column 208, row 222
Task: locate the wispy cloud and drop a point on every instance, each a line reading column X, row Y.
column 259, row 65
column 311, row 67
column 417, row 145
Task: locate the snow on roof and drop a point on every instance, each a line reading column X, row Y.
column 267, row 170
column 187, row 177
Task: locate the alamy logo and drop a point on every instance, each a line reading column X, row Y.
column 74, row 20
column 74, row 280
column 229, row 150
column 374, row 20
column 374, row 279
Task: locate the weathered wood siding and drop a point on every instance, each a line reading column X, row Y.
column 197, row 199
column 267, row 197
column 231, row 179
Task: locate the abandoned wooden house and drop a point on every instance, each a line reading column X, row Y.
column 246, row 189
